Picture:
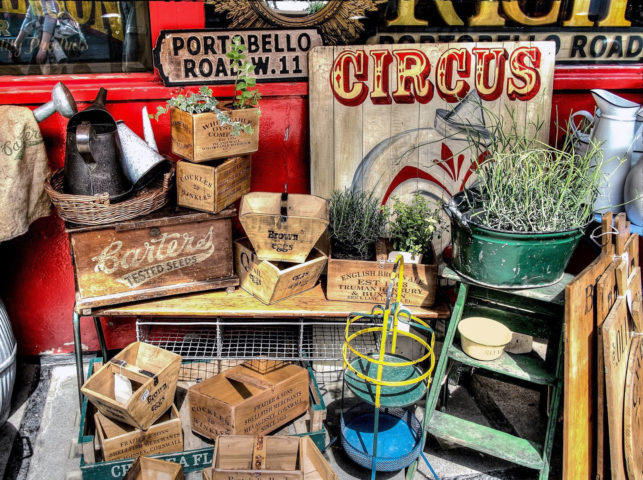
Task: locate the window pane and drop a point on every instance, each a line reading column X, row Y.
column 74, row 36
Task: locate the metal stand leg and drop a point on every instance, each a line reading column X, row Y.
column 376, row 426
column 78, row 350
column 101, row 337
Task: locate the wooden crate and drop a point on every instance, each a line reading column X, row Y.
column 195, row 457
column 231, row 461
column 283, row 227
column 153, row 469
column 118, row 440
column 271, row 282
column 368, row 281
column 212, row 187
column 199, row 137
column 153, row 373
column 249, row 400
column 165, row 253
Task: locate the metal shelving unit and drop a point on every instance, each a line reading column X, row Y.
column 210, row 346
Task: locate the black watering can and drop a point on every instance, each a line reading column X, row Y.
column 93, row 154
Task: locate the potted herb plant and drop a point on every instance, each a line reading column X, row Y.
column 358, row 266
column 412, row 228
column 520, row 223
column 203, row 129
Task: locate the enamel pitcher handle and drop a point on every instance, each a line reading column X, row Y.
column 85, row 134
column 575, row 131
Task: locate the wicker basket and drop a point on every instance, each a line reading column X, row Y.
column 96, row 209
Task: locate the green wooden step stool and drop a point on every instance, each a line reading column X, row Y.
column 538, row 312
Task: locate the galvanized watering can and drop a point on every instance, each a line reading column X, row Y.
column 141, row 160
column 93, row 154
column 615, row 125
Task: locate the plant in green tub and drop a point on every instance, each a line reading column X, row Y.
column 520, row 223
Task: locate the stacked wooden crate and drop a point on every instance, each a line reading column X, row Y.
column 215, row 170
column 279, row 258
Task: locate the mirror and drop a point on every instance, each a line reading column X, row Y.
column 296, row 8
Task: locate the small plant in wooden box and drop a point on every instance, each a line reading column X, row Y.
column 137, row 386
column 212, row 187
column 251, row 399
column 358, row 267
column 203, row 130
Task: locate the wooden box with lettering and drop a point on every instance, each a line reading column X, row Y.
column 145, row 468
column 212, row 187
column 161, row 254
column 231, row 460
column 251, row 399
column 283, row 227
column 152, row 374
column 118, row 440
column 274, row 281
column 199, row 137
column 368, row 281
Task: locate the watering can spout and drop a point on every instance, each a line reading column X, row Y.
column 148, row 133
column 613, row 105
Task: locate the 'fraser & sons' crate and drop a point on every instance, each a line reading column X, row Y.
column 274, row 281
column 212, row 187
column 161, row 254
column 249, row 400
column 199, row 137
column 152, row 373
column 118, row 440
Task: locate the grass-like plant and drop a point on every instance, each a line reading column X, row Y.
column 524, row 185
column 357, row 220
column 413, row 226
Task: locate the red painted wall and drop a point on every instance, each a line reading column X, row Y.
column 37, row 283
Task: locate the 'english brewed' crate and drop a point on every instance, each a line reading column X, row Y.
column 153, row 373
column 118, row 440
column 212, row 187
column 283, row 227
column 165, row 253
column 249, row 399
column 274, row 281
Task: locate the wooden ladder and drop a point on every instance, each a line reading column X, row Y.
column 537, row 312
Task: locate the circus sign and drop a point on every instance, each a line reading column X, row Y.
column 403, row 116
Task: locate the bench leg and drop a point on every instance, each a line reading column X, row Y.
column 101, row 338
column 78, row 350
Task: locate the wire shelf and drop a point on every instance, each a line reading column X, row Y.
column 244, row 340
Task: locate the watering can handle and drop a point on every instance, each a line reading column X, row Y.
column 455, row 214
column 85, row 134
column 575, row 131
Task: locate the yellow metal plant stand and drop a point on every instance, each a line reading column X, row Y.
column 387, row 382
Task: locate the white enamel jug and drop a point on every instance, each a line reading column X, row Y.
column 614, row 128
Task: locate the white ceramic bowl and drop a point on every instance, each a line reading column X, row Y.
column 483, row 338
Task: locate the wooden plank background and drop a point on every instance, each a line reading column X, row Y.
column 396, row 144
